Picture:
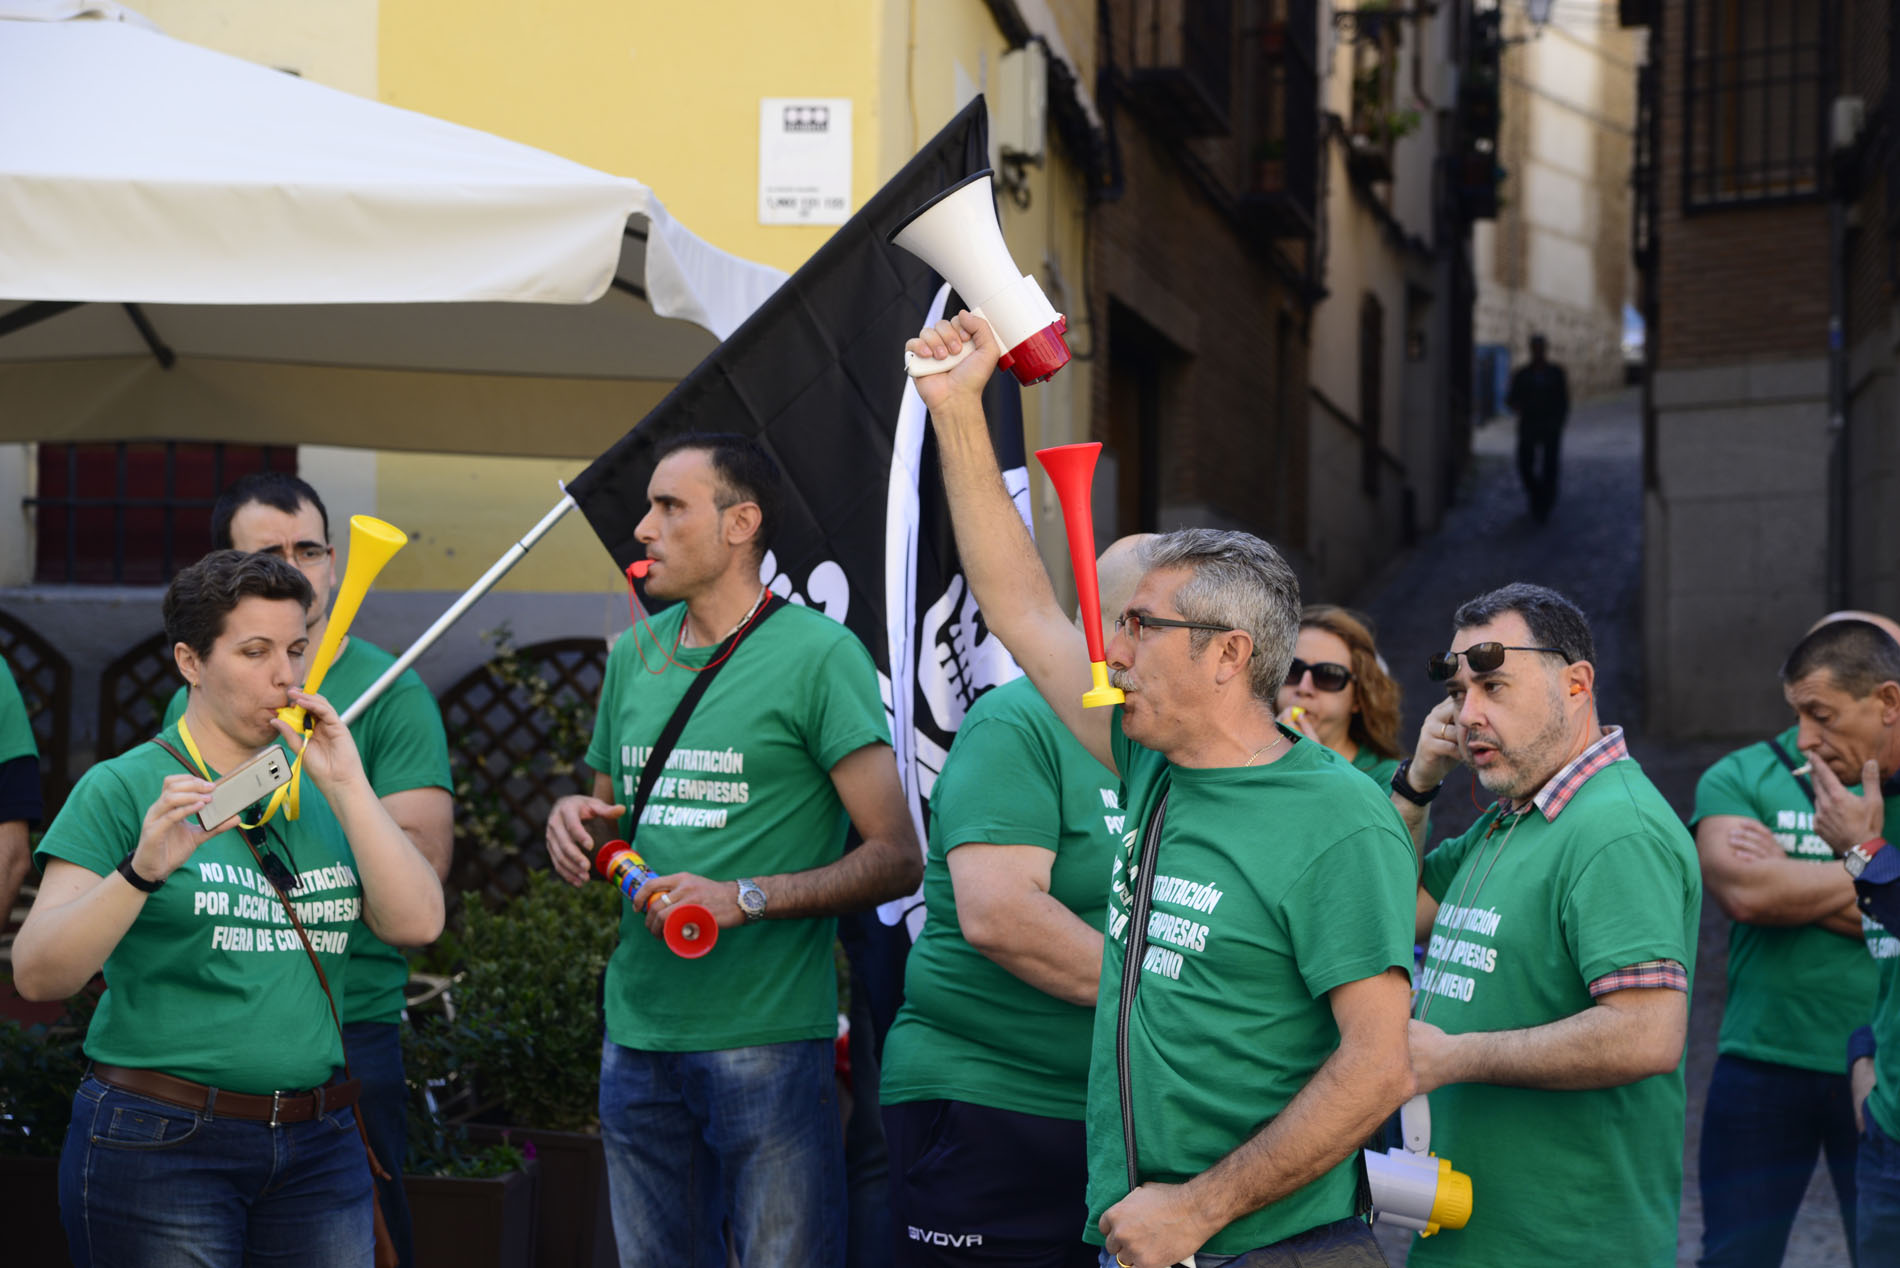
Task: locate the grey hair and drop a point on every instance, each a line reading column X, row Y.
column 1239, row 582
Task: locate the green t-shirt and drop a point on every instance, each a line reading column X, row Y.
column 16, row 729
column 1380, row 769
column 403, row 746
column 747, row 792
column 211, row 982
column 1526, row 922
column 1794, row 992
column 1273, row 885
column 970, row 1030
column 1884, row 1101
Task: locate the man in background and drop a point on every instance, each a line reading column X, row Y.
column 1540, row 397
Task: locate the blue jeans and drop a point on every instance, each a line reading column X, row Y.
column 1763, row 1128
column 143, row 1184
column 1878, row 1226
column 748, row 1136
column 1346, row 1243
column 374, row 1051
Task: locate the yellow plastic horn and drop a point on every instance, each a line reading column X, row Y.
column 373, row 543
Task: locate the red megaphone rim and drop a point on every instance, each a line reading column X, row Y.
column 689, row 931
column 604, row 855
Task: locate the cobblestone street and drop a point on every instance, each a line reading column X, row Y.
column 1591, row 550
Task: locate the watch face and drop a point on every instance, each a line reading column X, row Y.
column 1855, row 861
column 751, row 900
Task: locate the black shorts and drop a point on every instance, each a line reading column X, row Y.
column 975, row 1185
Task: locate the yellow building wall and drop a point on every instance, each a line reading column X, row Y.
column 669, row 95
column 332, row 43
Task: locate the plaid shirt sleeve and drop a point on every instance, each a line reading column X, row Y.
column 1650, row 973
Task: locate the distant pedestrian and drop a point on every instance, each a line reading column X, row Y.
column 1540, row 397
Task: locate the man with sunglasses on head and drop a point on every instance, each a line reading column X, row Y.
column 1553, row 1004
column 1250, row 1019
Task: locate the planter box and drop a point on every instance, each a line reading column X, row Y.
column 574, row 1225
column 473, row 1223
column 33, row 1234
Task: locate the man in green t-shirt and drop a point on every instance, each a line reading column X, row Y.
column 1843, row 681
column 1553, row 1003
column 717, row 1093
column 1799, row 983
column 986, row 1067
column 20, row 803
column 406, row 756
column 1250, row 1020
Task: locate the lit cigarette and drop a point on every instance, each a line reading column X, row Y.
column 1806, row 768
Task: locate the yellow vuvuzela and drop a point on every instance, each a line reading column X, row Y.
column 373, row 543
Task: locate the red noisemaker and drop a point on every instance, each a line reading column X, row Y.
column 956, row 234
column 690, row 930
column 1071, row 470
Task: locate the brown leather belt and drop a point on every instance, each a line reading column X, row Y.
column 276, row 1109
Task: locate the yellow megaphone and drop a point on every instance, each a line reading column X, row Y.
column 373, row 543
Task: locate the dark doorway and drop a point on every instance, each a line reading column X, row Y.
column 1141, row 364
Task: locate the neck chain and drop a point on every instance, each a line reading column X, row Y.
column 749, row 614
column 1273, row 743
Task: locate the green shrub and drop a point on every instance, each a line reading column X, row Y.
column 526, row 1034
column 40, row 1069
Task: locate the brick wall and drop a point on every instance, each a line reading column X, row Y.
column 1163, row 250
column 1742, row 284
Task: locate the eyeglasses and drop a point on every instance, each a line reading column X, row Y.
column 1482, row 657
column 1327, row 676
column 1133, row 623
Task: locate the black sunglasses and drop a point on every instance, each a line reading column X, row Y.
column 1327, row 675
column 1482, row 657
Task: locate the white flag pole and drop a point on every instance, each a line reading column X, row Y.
column 456, row 610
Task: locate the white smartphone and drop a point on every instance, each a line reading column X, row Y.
column 256, row 779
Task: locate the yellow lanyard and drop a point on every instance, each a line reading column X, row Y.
column 286, row 796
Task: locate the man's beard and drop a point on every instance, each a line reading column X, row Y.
column 1526, row 763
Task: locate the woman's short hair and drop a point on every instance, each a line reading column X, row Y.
column 203, row 594
column 1376, row 724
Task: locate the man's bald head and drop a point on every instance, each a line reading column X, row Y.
column 1118, row 572
column 1872, row 618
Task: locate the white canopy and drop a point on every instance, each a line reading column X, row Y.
column 196, row 247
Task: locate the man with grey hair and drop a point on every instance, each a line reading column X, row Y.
column 1250, row 1025
column 1554, row 1000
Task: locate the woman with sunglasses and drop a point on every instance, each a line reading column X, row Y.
column 1338, row 693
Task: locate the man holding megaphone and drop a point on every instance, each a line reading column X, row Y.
column 405, row 753
column 1251, row 1015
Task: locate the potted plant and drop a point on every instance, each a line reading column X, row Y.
column 527, row 1034
column 471, row 1206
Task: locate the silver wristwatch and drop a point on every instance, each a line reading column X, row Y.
column 751, row 901
column 1856, row 859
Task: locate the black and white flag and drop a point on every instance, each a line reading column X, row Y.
column 816, row 374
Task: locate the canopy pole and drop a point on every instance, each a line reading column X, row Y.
column 460, row 607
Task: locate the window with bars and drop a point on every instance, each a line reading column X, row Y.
column 1755, row 101
column 132, row 512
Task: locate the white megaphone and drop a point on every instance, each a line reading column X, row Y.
column 1412, row 1187
column 956, row 234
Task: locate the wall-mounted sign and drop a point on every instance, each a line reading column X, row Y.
column 804, row 160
